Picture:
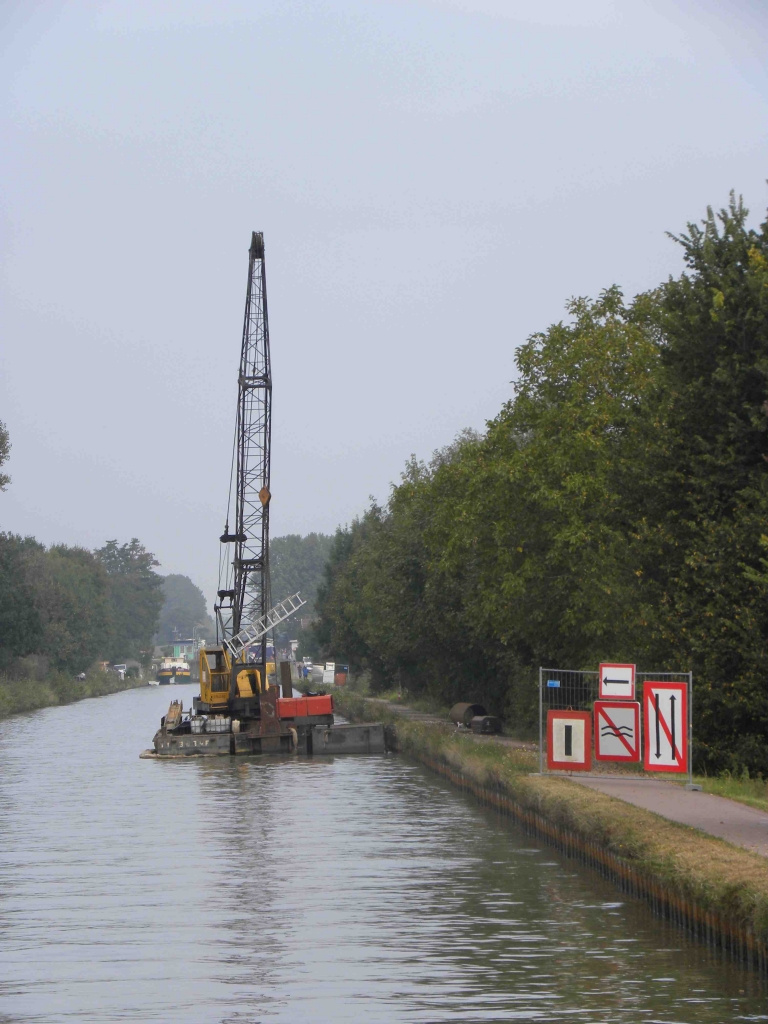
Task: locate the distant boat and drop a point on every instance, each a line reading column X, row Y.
column 153, row 682
column 173, row 670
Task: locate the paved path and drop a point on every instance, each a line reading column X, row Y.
column 737, row 823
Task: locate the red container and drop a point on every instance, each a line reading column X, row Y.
column 290, row 707
column 300, row 707
column 319, row 705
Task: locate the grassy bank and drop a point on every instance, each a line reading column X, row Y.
column 19, row 695
column 681, row 865
column 753, row 792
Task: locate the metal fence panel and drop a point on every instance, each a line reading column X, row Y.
column 563, row 689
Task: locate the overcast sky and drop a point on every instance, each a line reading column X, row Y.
column 433, row 180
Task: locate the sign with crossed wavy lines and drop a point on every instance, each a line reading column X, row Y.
column 617, row 730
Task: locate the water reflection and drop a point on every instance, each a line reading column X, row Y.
column 316, row 891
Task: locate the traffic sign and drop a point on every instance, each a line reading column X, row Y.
column 617, row 682
column 569, row 740
column 665, row 719
column 617, row 730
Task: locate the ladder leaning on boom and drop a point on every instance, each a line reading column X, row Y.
column 236, row 644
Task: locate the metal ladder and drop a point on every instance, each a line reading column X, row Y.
column 237, row 643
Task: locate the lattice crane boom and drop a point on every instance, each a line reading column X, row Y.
column 249, row 597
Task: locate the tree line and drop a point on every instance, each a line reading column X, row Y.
column 72, row 606
column 616, row 509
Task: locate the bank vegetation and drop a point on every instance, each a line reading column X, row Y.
column 33, row 685
column 63, row 610
column 616, row 509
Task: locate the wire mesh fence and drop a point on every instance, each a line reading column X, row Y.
column 578, row 690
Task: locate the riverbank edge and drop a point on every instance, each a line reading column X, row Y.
column 18, row 697
column 714, row 891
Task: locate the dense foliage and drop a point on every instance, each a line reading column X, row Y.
column 615, row 509
column 183, row 610
column 296, row 564
column 70, row 607
column 135, row 598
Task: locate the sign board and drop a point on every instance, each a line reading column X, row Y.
column 617, row 730
column 617, row 682
column 665, row 720
column 328, row 673
column 569, row 740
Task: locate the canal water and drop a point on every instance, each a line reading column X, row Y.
column 326, row 891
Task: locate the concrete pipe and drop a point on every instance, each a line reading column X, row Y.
column 486, row 725
column 462, row 714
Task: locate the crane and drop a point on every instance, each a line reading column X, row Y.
column 239, row 709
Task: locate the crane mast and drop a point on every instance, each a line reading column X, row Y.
column 248, row 599
column 239, row 709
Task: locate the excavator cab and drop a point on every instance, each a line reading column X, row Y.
column 215, row 674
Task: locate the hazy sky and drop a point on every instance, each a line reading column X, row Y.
column 433, row 179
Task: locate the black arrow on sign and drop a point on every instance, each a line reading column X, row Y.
column 672, row 700
column 658, row 729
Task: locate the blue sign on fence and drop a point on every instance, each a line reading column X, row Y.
column 553, row 682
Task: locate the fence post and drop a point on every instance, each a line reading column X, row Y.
column 690, row 785
column 541, row 724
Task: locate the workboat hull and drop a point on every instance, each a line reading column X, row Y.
column 318, row 739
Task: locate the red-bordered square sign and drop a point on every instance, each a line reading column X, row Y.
column 569, row 741
column 617, row 730
column 665, row 722
column 617, row 682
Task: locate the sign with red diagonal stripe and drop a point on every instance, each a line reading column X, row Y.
column 665, row 721
column 617, row 730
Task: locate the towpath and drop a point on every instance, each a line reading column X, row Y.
column 435, row 719
column 727, row 819
column 737, row 823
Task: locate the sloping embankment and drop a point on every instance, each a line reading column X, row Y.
column 714, row 890
column 18, row 696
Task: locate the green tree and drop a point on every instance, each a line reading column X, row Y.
column 53, row 603
column 296, row 563
column 71, row 594
column 135, row 597
column 183, row 609
column 21, row 626
column 714, row 479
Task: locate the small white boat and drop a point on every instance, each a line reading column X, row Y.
column 153, row 682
